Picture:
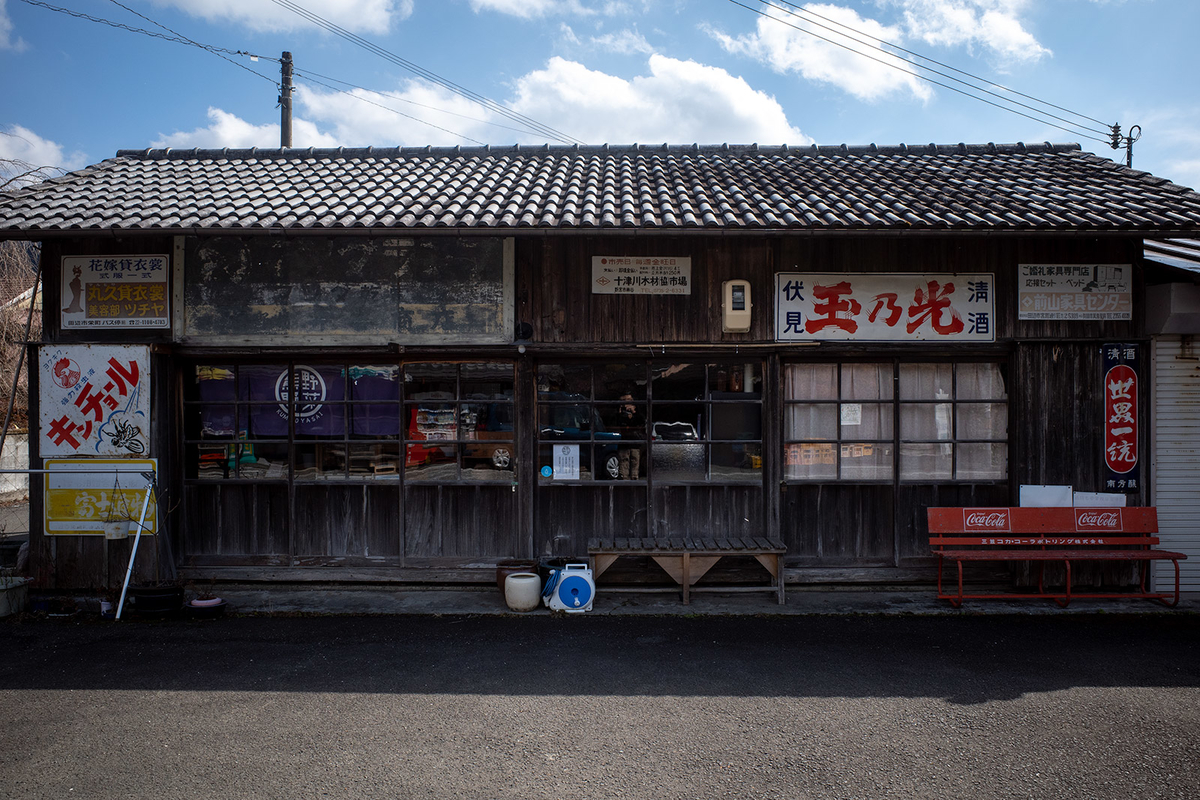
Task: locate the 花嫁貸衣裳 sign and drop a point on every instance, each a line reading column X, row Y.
column 884, row 306
column 115, row 292
column 641, row 275
column 94, row 400
column 1075, row 291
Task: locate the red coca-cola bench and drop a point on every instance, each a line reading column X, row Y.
column 1042, row 535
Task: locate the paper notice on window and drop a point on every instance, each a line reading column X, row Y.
column 852, row 413
column 566, row 462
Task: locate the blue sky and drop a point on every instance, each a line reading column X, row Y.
column 616, row 71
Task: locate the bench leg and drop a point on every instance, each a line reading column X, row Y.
column 1174, row 602
column 1065, row 601
column 779, row 577
column 958, row 603
column 687, row 577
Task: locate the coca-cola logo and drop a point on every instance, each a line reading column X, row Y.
column 1087, row 519
column 986, row 519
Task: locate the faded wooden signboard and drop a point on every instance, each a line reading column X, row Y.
column 1075, row 291
column 115, row 292
column 82, row 494
column 884, row 306
column 423, row 290
column 641, row 275
column 94, row 400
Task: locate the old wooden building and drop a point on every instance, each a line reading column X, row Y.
column 405, row 364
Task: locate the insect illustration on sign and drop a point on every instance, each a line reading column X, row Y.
column 127, row 435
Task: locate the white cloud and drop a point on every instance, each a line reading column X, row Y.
column 679, row 101
column 531, row 9
column 361, row 118
column 374, row 16
column 626, row 42
column 994, row 25
column 6, row 32
column 229, row 130
column 22, row 150
column 863, row 71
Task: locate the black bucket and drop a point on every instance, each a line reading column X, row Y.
column 155, row 602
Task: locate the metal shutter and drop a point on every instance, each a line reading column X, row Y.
column 1176, row 454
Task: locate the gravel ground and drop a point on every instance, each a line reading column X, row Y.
column 1095, row 706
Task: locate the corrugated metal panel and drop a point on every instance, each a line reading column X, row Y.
column 1177, row 454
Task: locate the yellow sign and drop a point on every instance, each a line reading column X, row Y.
column 82, row 494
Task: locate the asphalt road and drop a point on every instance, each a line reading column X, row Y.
column 1079, row 706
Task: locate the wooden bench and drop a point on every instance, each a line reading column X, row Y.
column 1049, row 535
column 686, row 560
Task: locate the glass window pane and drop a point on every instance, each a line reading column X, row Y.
column 374, row 461
column 866, row 381
column 626, row 420
column 982, row 462
column 598, row 459
column 375, row 392
column 926, row 421
column 741, row 378
column 810, row 461
column 921, row 461
column 320, row 392
column 488, row 460
column 679, row 381
column 980, row 382
column 430, row 462
column 575, row 379
column 866, row 420
column 678, row 421
column 616, row 381
column 435, row 422
column 866, row 461
column 737, row 462
column 490, row 381
column 679, row 461
column 631, row 462
column 926, row 381
column 565, row 421
column 430, row 381
column 216, row 384
column 982, row 420
column 741, row 421
column 811, row 421
column 810, row 382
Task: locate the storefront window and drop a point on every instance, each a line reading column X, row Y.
column 953, row 422
column 350, row 422
column 839, row 422
column 702, row 422
column 460, row 422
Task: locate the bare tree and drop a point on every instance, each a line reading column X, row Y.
column 18, row 275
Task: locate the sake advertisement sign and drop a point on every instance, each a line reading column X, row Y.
column 115, row 292
column 94, row 400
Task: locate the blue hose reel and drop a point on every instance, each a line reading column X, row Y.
column 570, row 589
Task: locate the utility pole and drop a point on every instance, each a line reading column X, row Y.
column 285, row 102
column 1135, row 133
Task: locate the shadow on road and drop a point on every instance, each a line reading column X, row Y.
column 964, row 660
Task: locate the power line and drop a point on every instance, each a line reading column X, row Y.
column 176, row 38
column 311, row 76
column 527, row 122
column 214, row 51
column 798, row 10
column 925, row 78
column 386, row 108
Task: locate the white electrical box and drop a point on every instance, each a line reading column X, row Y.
column 735, row 306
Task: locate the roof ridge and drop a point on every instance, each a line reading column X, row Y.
column 229, row 153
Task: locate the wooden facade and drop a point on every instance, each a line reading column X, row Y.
column 425, row 526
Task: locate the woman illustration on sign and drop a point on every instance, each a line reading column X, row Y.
column 76, row 293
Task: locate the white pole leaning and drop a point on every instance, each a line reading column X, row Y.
column 136, row 539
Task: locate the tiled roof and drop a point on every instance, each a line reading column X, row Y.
column 670, row 189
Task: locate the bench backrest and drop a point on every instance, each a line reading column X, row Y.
column 1026, row 527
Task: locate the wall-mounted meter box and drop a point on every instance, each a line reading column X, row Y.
column 735, row 306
